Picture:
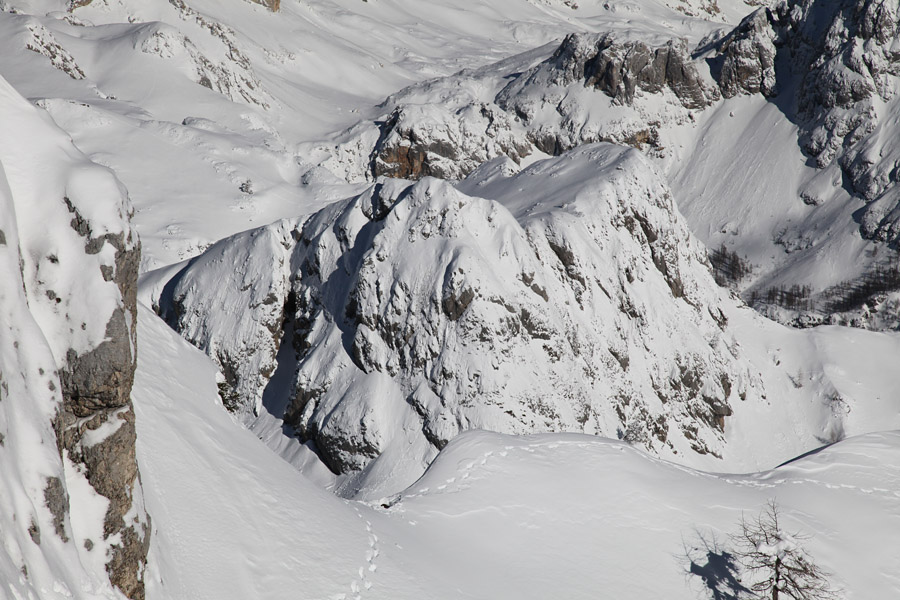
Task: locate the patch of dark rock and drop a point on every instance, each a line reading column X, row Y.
column 454, row 306
column 35, row 532
column 57, row 500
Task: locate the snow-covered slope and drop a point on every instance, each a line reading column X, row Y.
column 495, row 516
column 809, row 86
column 570, row 515
column 164, row 92
column 824, row 182
column 153, row 84
column 626, row 85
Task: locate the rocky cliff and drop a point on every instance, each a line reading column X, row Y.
column 569, row 297
column 555, row 102
column 597, row 87
column 829, row 69
column 73, row 287
column 838, row 63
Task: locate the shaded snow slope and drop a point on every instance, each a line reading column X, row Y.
column 230, row 519
column 823, row 182
column 494, row 517
column 822, row 385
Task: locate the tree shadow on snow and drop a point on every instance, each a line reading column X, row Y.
column 712, row 563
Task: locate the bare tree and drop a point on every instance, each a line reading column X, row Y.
column 778, row 565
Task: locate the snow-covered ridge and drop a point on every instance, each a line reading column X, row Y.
column 150, row 68
column 619, row 87
column 827, row 69
column 554, row 282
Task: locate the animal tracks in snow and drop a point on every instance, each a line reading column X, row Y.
column 361, row 581
column 470, row 467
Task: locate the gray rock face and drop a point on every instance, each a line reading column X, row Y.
column 748, row 63
column 843, row 51
column 102, row 378
column 231, row 273
column 846, row 53
column 420, row 141
column 57, row 500
column 96, row 388
column 545, row 106
column 618, row 67
column 70, row 259
column 471, row 341
column 552, row 99
column 419, row 310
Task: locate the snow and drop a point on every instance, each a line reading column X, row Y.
column 87, row 522
column 57, row 267
column 322, row 66
column 834, row 380
column 232, row 128
column 229, row 521
column 495, row 516
column 743, row 189
column 424, row 308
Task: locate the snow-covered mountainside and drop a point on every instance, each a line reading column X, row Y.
column 568, row 296
column 825, row 72
column 435, row 289
column 420, row 310
column 170, row 88
column 617, row 86
column 831, row 68
column 72, row 511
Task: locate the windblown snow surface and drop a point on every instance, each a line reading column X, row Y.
column 234, row 127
